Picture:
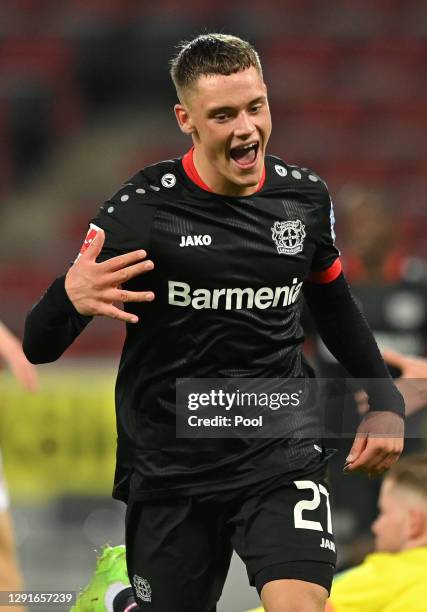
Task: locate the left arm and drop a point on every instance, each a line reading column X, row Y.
column 347, row 335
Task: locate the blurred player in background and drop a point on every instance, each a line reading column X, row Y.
column 12, row 355
column 391, row 288
column 412, row 381
column 394, row 577
column 25, row 373
column 235, row 236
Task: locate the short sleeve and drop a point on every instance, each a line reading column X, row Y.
column 325, row 265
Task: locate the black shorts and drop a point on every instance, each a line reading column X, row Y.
column 179, row 550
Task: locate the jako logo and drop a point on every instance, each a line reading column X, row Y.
column 199, row 240
column 180, row 294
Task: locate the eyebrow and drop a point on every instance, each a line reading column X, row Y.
column 219, row 109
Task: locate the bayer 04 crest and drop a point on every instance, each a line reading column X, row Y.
column 288, row 236
column 142, row 588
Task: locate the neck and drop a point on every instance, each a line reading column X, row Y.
column 419, row 542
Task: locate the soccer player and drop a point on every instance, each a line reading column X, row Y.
column 394, row 577
column 25, row 373
column 234, row 236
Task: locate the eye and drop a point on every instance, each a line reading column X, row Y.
column 221, row 117
column 254, row 109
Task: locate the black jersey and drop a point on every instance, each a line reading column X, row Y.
column 227, row 280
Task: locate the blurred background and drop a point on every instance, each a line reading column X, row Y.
column 85, row 101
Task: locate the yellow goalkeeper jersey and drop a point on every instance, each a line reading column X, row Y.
column 384, row 582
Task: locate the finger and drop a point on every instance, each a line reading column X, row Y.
column 122, row 261
column 360, row 464
column 377, row 463
column 362, row 404
column 386, row 463
column 121, row 295
column 95, row 246
column 392, row 358
column 376, row 455
column 381, row 469
column 121, row 315
column 125, row 274
column 359, row 445
column 372, row 454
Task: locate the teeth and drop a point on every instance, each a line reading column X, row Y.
column 234, row 151
column 250, row 146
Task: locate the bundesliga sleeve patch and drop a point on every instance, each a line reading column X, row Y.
column 90, row 237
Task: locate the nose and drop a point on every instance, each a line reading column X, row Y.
column 244, row 125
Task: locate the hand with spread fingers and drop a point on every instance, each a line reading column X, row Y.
column 378, row 443
column 94, row 287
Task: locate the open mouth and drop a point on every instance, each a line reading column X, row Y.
column 245, row 156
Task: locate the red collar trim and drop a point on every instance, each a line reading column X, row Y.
column 193, row 175
column 190, row 170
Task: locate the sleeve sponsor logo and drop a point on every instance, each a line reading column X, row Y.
column 90, row 237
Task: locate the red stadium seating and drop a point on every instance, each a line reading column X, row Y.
column 346, row 82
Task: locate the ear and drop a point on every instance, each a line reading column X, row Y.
column 184, row 119
column 417, row 523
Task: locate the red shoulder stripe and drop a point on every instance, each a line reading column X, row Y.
column 328, row 275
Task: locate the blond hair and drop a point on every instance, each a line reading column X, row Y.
column 411, row 473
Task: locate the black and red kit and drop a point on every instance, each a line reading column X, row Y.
column 228, row 280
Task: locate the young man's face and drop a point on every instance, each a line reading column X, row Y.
column 230, row 122
column 391, row 526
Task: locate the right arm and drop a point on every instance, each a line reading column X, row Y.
column 88, row 289
column 52, row 325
